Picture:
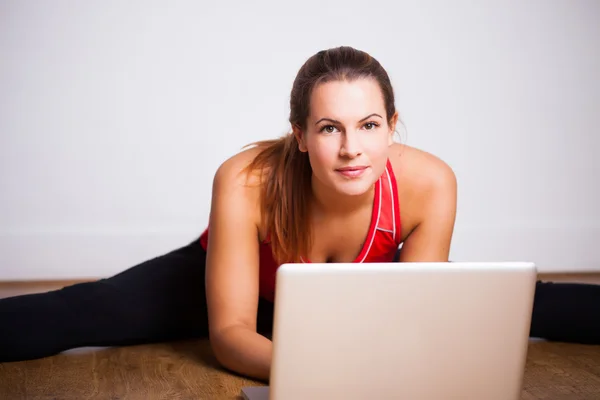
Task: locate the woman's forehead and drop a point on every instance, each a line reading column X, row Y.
column 346, row 100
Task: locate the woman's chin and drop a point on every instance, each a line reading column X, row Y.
column 356, row 188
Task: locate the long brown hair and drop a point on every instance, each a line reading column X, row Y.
column 285, row 171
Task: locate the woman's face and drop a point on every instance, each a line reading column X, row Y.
column 347, row 135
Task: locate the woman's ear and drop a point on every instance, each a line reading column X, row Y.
column 299, row 135
column 392, row 125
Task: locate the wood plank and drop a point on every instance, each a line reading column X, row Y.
column 174, row 370
column 189, row 370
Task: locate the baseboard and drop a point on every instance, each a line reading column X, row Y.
column 89, row 255
column 585, row 277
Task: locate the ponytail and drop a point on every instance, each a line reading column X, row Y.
column 285, row 175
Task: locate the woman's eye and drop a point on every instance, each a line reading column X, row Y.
column 330, row 128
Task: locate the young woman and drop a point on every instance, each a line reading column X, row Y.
column 335, row 189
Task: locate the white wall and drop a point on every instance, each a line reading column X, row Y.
column 114, row 116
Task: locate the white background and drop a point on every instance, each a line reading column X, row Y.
column 114, row 115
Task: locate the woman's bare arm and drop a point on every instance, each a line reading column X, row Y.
column 232, row 274
column 432, row 202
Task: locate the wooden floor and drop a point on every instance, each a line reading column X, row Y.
column 188, row 369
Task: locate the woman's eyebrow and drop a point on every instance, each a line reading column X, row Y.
column 338, row 122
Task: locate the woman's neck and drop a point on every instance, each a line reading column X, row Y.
column 328, row 202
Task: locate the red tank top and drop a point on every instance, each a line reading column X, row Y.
column 381, row 244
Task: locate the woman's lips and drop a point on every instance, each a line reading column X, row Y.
column 352, row 172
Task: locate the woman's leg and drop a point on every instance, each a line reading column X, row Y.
column 160, row 299
column 566, row 312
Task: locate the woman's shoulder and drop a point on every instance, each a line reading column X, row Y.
column 234, row 170
column 420, row 177
column 235, row 185
column 418, row 168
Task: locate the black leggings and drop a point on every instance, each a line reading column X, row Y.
column 163, row 299
column 160, row 299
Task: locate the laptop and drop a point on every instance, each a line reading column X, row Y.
column 419, row 331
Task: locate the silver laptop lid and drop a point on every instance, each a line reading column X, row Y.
column 401, row 330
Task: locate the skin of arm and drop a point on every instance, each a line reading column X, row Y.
column 232, row 274
column 428, row 200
